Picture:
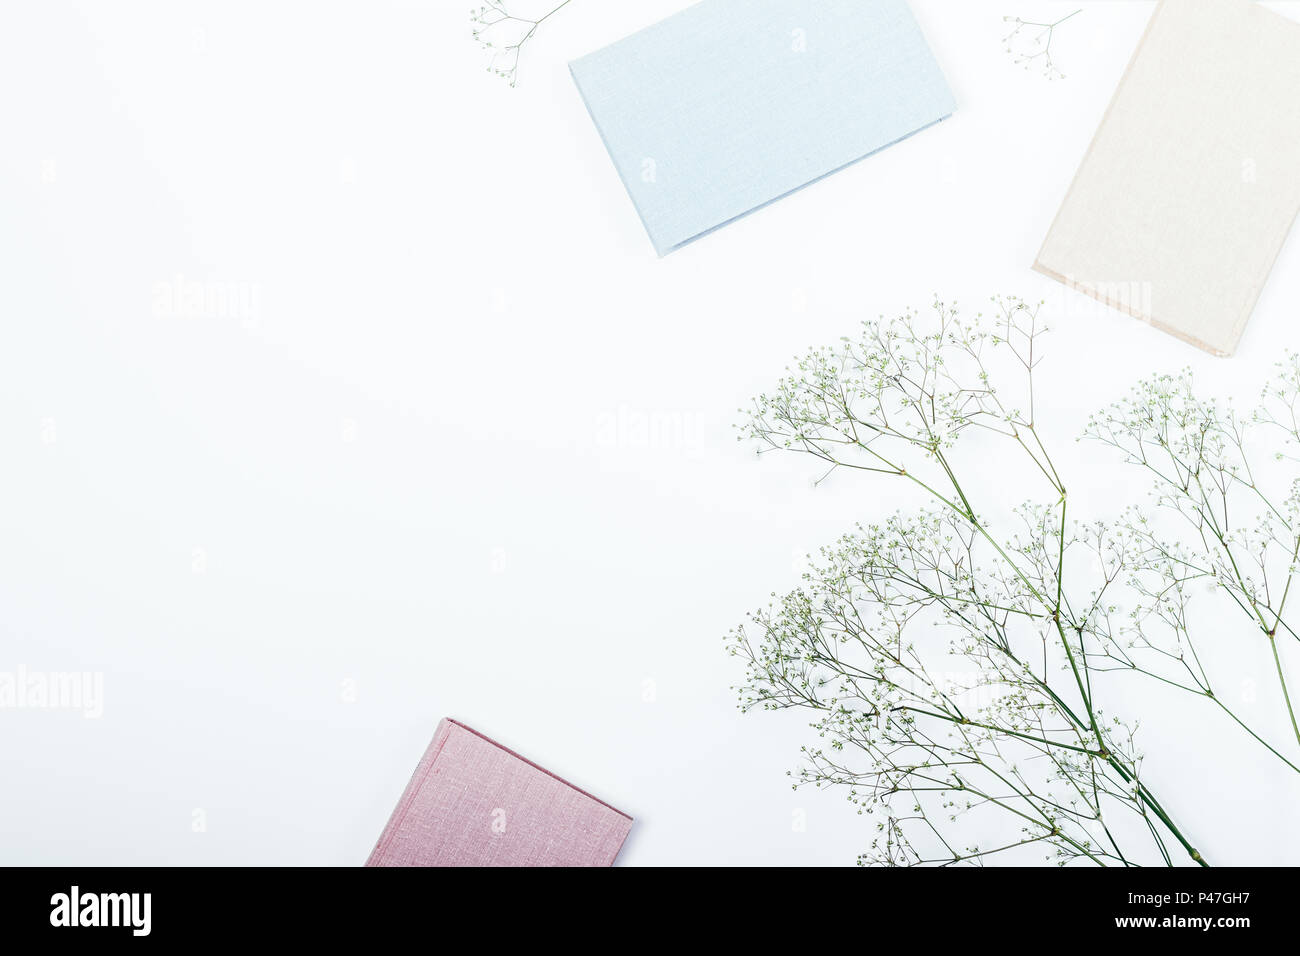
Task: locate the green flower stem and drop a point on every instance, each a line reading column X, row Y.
column 1249, row 605
column 1281, row 677
column 1126, row 774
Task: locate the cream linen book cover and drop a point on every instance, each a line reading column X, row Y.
column 1190, row 186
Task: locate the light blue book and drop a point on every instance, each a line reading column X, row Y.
column 732, row 104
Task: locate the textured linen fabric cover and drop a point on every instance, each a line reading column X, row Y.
column 1190, row 187
column 472, row 802
column 731, row 104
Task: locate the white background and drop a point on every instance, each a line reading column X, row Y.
column 471, row 452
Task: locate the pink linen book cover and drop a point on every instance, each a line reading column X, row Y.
column 472, row 802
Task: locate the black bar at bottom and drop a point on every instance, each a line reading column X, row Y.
column 356, row 906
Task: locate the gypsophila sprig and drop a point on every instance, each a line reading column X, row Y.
column 1240, row 527
column 504, row 34
column 947, row 664
column 1029, row 43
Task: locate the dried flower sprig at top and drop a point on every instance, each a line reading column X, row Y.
column 504, row 35
column 1030, row 43
column 1019, row 746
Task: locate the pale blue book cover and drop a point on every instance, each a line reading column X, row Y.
column 731, row 104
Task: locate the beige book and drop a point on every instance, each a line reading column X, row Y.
column 1190, row 186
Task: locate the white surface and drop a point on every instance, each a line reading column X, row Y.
column 474, row 455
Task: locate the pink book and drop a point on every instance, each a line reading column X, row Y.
column 472, row 802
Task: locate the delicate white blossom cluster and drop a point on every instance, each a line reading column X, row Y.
column 1029, row 44
column 504, row 34
column 1219, row 524
column 956, row 671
